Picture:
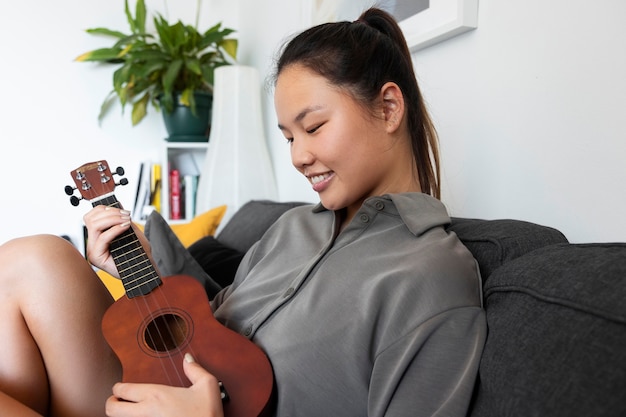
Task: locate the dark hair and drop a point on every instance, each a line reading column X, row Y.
column 362, row 56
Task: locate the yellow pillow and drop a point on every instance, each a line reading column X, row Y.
column 202, row 225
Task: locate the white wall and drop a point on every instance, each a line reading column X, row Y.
column 529, row 108
column 50, row 106
column 264, row 30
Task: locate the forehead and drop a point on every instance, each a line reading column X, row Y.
column 298, row 87
column 296, row 80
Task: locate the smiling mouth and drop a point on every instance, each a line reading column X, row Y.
column 315, row 179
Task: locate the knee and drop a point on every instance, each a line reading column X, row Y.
column 37, row 251
column 36, row 245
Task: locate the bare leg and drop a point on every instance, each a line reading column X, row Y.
column 53, row 357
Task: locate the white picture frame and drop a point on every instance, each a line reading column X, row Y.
column 442, row 20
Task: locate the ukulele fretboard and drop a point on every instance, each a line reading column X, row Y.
column 138, row 275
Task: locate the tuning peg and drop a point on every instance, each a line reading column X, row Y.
column 120, row 171
column 69, row 190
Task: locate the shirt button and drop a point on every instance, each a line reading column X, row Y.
column 288, row 292
column 379, row 205
column 248, row 330
column 364, row 218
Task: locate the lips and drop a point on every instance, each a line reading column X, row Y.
column 320, row 181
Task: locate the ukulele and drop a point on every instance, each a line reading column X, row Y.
column 161, row 319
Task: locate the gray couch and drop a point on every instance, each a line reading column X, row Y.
column 556, row 312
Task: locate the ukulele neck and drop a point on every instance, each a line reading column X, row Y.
column 138, row 274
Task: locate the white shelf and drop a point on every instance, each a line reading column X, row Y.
column 188, row 158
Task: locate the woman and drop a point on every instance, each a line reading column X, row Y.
column 364, row 304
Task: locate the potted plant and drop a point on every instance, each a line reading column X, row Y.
column 173, row 66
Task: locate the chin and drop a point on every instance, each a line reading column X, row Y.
column 332, row 205
column 329, row 205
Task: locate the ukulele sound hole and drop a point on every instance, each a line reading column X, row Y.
column 166, row 332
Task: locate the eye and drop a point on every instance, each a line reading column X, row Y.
column 314, row 129
column 289, row 140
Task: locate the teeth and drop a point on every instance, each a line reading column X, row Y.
column 318, row 178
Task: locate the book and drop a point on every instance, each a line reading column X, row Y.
column 190, row 186
column 142, row 196
column 155, row 187
column 175, row 195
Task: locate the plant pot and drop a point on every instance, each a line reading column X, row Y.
column 183, row 126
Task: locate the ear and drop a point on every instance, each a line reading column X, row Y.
column 393, row 106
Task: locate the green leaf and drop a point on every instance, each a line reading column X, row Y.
column 165, row 33
column 186, row 97
column 146, row 70
column 129, row 17
column 121, row 77
column 140, row 109
column 208, row 73
column 140, row 16
column 106, row 106
column 148, row 56
column 167, row 101
column 136, row 40
column 230, row 47
column 106, row 32
column 170, row 75
column 103, row 54
column 193, row 65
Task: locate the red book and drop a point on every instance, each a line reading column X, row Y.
column 175, row 195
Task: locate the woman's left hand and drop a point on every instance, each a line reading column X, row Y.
column 202, row 398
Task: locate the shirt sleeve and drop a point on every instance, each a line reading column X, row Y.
column 431, row 371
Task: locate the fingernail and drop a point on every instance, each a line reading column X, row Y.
column 125, row 212
column 189, row 358
column 125, row 224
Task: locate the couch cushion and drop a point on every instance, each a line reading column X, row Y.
column 171, row 257
column 204, row 224
column 250, row 222
column 218, row 260
column 495, row 242
column 557, row 334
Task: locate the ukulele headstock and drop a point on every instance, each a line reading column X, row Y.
column 93, row 180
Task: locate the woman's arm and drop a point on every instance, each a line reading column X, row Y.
column 432, row 370
column 103, row 225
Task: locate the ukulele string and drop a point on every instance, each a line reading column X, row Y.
column 179, row 330
column 157, row 335
column 153, row 335
column 168, row 330
column 153, row 338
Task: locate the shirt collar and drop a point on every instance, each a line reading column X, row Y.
column 419, row 212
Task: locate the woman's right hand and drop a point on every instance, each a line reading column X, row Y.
column 103, row 225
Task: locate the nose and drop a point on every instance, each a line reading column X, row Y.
column 301, row 155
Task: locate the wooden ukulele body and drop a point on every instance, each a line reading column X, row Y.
column 161, row 319
column 150, row 335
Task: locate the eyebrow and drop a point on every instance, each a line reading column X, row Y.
column 302, row 114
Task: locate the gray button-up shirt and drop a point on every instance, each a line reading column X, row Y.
column 382, row 319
